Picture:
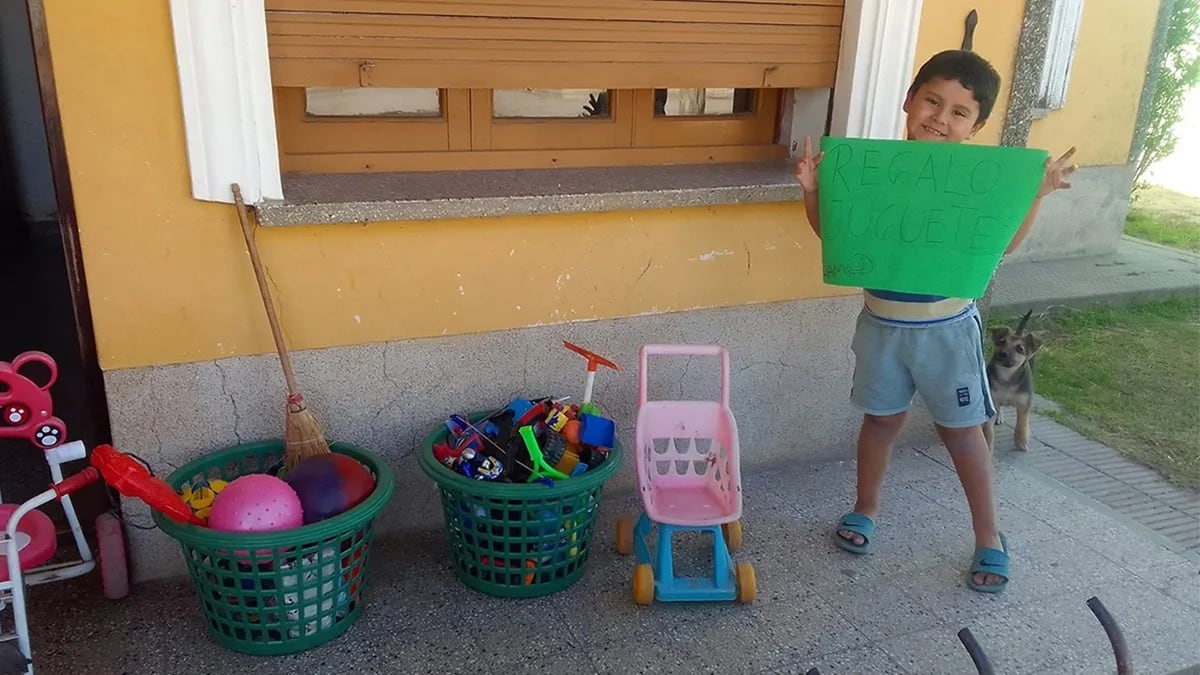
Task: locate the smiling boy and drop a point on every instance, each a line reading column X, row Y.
column 907, row 343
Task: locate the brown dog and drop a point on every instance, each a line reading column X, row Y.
column 1010, row 379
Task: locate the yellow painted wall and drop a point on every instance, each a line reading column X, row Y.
column 1106, row 76
column 943, row 23
column 1106, row 83
column 170, row 282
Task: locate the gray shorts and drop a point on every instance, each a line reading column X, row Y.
column 943, row 362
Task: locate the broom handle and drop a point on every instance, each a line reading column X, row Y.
column 261, row 276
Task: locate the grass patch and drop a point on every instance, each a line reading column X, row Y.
column 1164, row 217
column 1128, row 377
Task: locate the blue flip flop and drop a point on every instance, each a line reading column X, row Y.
column 989, row 561
column 858, row 524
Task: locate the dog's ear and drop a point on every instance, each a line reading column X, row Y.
column 999, row 334
column 1032, row 344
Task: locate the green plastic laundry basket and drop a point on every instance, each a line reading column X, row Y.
column 278, row 592
column 515, row 540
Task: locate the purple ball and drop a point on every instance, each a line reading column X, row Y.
column 329, row 485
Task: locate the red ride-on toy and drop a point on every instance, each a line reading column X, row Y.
column 29, row 539
column 26, row 409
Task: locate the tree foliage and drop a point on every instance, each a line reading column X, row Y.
column 1178, row 73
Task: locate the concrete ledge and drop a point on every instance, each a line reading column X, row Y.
column 1087, row 219
column 313, row 199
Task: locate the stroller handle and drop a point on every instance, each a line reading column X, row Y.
column 683, row 350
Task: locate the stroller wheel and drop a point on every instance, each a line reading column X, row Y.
column 747, row 586
column 733, row 535
column 625, row 536
column 643, row 584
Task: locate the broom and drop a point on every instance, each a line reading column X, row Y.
column 303, row 436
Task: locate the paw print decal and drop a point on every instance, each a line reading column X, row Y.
column 48, row 436
column 15, row 415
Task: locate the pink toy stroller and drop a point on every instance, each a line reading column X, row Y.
column 689, row 476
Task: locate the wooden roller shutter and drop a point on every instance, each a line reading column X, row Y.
column 620, row 44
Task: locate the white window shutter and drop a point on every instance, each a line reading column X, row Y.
column 1060, row 53
column 225, row 87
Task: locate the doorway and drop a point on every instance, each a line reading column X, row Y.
column 43, row 293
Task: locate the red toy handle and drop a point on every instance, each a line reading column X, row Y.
column 593, row 358
column 132, row 479
column 76, row 482
column 37, row 357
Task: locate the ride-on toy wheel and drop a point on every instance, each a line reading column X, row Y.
column 643, row 584
column 110, row 549
column 625, row 536
column 733, row 535
column 747, row 586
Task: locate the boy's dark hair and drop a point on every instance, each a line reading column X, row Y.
column 970, row 70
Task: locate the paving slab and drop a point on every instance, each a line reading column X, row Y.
column 1135, row 492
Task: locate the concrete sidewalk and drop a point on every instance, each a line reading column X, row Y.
column 1136, row 270
column 895, row 611
column 1081, row 521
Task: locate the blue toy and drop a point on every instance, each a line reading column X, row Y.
column 596, row 430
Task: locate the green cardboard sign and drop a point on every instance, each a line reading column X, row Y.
column 921, row 217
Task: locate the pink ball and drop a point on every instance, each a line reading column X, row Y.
column 256, row 502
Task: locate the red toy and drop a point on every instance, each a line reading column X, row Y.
column 132, row 479
column 594, row 361
column 26, row 409
column 329, row 485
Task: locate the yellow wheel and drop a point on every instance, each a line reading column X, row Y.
column 747, row 586
column 733, row 535
column 643, row 584
column 625, row 536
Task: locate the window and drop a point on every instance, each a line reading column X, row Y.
column 541, row 83
column 368, row 129
column 1060, row 52
column 703, row 101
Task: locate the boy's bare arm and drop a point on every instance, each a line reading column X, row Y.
column 813, row 211
column 806, row 175
column 1056, row 178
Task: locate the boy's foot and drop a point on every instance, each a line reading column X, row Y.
column 989, row 568
column 855, row 531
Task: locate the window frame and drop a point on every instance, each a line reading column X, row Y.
column 551, row 133
column 756, row 127
column 466, row 136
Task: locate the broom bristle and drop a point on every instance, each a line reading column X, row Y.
column 303, row 436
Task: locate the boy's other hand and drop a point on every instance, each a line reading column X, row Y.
column 1058, row 172
column 806, row 167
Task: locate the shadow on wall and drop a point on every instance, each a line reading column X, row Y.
column 27, row 183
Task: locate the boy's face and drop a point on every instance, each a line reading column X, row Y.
column 942, row 110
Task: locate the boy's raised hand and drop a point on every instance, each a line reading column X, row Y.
column 806, row 167
column 1058, row 173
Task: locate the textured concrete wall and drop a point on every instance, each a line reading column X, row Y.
column 791, row 366
column 1087, row 219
